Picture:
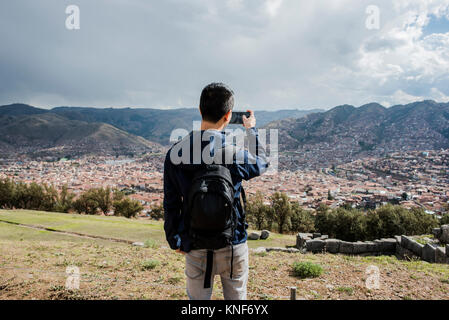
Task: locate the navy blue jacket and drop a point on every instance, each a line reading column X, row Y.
column 246, row 164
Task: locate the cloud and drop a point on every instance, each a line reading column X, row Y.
column 273, row 53
column 272, row 7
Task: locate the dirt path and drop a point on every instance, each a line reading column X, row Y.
column 70, row 233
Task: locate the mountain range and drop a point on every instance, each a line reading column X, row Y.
column 346, row 133
column 79, row 130
column 315, row 137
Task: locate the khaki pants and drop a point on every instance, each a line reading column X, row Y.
column 233, row 289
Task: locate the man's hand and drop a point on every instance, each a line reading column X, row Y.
column 249, row 122
column 179, row 251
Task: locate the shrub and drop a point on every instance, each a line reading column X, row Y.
column 355, row 225
column 150, row 264
column 445, row 219
column 301, row 220
column 157, row 211
column 150, row 243
column 307, row 270
column 127, row 208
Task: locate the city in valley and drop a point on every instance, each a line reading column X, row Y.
column 411, row 179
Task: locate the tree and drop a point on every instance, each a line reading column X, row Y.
column 103, row 198
column 87, row 203
column 49, row 198
column 6, row 193
column 127, row 207
column 64, row 202
column 325, row 221
column 301, row 220
column 257, row 211
column 281, row 210
column 117, row 195
column 157, row 211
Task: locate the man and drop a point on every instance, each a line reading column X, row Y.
column 182, row 164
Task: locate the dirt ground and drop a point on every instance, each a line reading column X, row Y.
column 33, row 266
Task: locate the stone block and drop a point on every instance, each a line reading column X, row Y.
column 301, row 239
column 412, row 245
column 359, row 247
column 315, row 245
column 440, row 255
column 346, row 247
column 388, row 245
column 372, row 247
column 332, row 245
column 444, row 237
column 428, row 253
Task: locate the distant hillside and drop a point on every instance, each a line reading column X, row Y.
column 51, row 134
column 345, row 133
column 19, row 109
column 157, row 125
column 152, row 124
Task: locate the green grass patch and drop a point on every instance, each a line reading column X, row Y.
column 347, row 290
column 307, row 270
column 151, row 243
column 150, row 264
column 137, row 230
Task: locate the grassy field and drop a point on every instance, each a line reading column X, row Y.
column 33, row 264
column 113, row 227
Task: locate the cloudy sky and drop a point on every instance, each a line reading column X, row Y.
column 273, row 53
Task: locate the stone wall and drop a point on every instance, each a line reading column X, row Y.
column 401, row 246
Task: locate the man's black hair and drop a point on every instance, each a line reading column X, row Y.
column 216, row 100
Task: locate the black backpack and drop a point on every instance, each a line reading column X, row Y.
column 211, row 216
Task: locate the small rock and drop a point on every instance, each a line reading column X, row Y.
column 279, row 249
column 253, row 236
column 259, row 250
column 138, row 244
column 264, row 235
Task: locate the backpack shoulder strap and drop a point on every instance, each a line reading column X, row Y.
column 243, row 197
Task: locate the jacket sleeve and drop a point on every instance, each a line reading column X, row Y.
column 172, row 205
column 252, row 161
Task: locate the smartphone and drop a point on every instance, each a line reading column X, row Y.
column 237, row 117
